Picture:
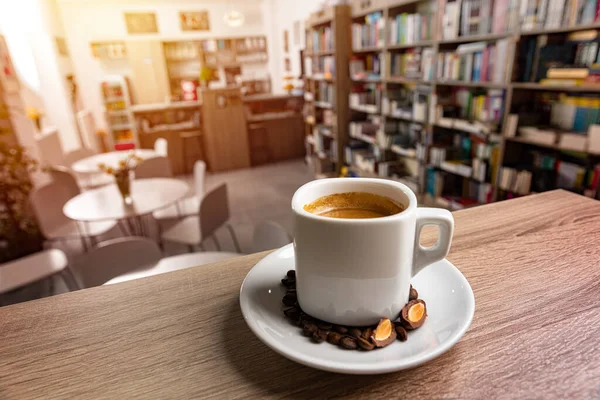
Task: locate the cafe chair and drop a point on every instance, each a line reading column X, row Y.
column 154, row 167
column 114, row 258
column 213, row 214
column 269, row 235
column 161, row 147
column 88, row 180
column 33, row 268
column 189, row 205
column 48, row 202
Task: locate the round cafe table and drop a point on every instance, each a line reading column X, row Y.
column 89, row 165
column 106, row 203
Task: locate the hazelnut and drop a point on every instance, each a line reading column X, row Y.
column 384, row 334
column 413, row 314
column 413, row 294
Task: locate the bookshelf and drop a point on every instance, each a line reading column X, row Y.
column 327, row 84
column 455, row 119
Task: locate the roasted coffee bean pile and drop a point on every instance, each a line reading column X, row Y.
column 366, row 338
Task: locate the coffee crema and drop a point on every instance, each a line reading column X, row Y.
column 354, row 205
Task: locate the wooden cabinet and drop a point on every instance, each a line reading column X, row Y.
column 225, row 131
column 276, row 139
column 148, row 71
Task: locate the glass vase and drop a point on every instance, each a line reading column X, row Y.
column 124, row 185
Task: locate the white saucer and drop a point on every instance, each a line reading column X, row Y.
column 450, row 308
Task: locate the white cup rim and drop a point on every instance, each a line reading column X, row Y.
column 298, row 204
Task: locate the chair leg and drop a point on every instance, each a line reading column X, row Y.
column 84, row 244
column 191, row 248
column 217, row 244
column 69, row 278
column 234, row 237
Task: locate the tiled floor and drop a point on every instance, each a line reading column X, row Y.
column 255, row 195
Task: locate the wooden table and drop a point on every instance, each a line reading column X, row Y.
column 533, row 264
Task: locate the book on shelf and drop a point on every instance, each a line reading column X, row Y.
column 366, row 130
column 406, row 103
column 366, row 97
column 594, row 139
column 471, row 111
column 322, row 39
column 427, row 58
column 451, row 19
column 366, row 67
column 551, row 14
column 325, row 92
column 573, row 141
column 459, row 167
column 406, row 64
column 474, row 62
column 455, row 194
column 533, row 134
column 369, row 34
column 408, row 28
column 463, row 18
column 574, row 112
column 514, row 180
column 505, row 15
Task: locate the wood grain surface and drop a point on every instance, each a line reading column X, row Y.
column 533, row 264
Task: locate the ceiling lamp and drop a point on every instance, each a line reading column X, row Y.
column 234, row 18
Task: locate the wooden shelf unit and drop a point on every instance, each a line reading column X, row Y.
column 225, row 55
column 338, row 20
column 511, row 90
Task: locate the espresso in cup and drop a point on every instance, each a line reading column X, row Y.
column 354, row 205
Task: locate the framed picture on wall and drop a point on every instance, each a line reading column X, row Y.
column 286, row 41
column 141, row 23
column 194, row 20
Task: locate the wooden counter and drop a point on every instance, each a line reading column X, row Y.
column 275, row 127
column 180, row 124
column 532, row 263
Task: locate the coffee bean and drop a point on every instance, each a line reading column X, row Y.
column 348, row 343
column 289, row 283
column 293, row 313
column 340, row 329
column 324, row 325
column 402, row 335
column 289, row 300
column 367, row 333
column 413, row 294
column 355, row 332
column 309, row 329
column 334, row 338
column 319, row 336
column 291, row 274
column 365, row 344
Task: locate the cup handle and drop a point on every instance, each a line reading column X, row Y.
column 441, row 218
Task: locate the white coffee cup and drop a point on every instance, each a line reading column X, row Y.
column 356, row 271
